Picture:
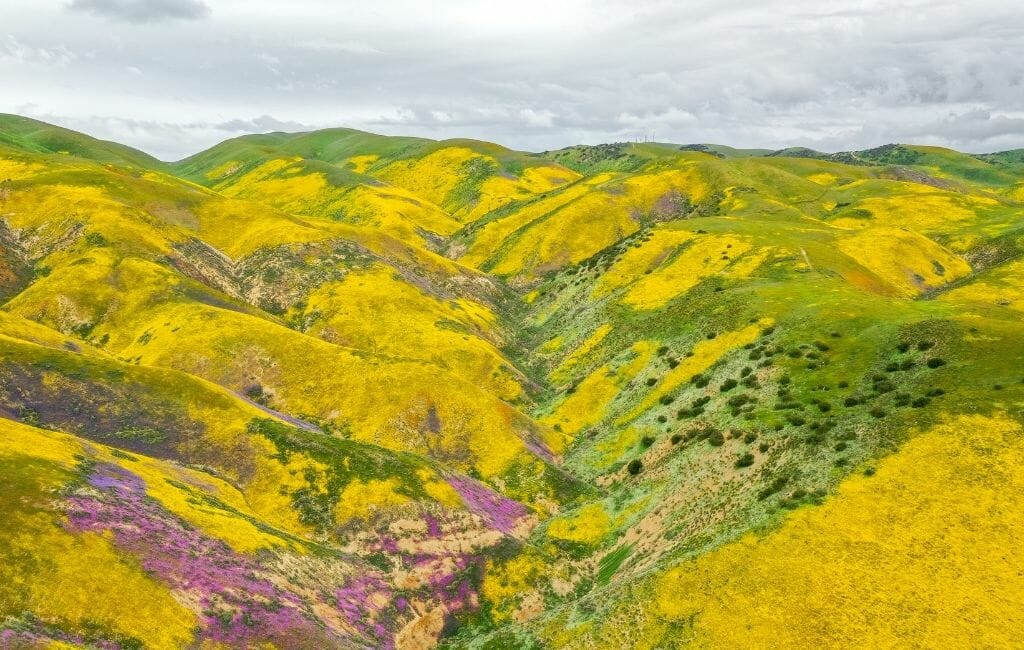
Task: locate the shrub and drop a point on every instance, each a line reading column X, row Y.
column 746, row 460
column 647, row 441
column 796, row 420
column 635, row 466
column 667, row 399
column 711, row 335
column 737, row 401
column 763, row 447
column 936, row 362
column 840, row 446
column 843, row 384
column 728, row 385
column 824, row 407
column 821, row 346
column 750, row 437
column 700, row 381
column 700, row 401
column 95, row 239
column 935, row 392
column 869, row 471
column 892, row 367
column 652, row 381
column 746, row 371
column 767, row 331
column 907, row 364
column 877, row 412
column 662, row 418
column 851, row 401
column 672, row 363
column 663, row 350
column 925, row 345
column 716, row 439
column 920, row 402
column 903, row 347
column 676, row 438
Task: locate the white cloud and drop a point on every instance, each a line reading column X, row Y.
column 540, row 75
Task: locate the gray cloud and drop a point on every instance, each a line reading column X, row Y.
column 143, row 11
column 533, row 74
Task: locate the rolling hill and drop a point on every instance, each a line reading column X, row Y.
column 336, row 389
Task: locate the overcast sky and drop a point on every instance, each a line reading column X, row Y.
column 172, row 77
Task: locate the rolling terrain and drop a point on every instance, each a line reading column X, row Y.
column 342, row 390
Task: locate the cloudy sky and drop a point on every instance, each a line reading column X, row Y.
column 175, row 76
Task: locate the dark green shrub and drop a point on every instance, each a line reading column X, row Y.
column 652, row 381
column 750, row 437
column 877, row 412
column 903, row 347
column 728, row 385
column 716, row 439
column 676, row 438
column 667, row 399
column 647, row 441
column 824, row 407
column 936, row 362
column 737, row 401
column 746, row 460
column 851, row 401
column 840, row 446
column 635, row 466
column 920, row 402
column 925, row 345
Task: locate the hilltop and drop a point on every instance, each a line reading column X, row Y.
column 337, row 389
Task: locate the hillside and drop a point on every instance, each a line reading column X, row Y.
column 336, row 389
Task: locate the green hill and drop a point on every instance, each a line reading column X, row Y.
column 335, row 389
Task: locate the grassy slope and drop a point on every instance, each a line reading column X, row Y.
column 685, row 362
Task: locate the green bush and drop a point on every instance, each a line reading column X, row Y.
column 728, row 385
column 716, row 439
column 746, row 460
column 936, row 362
column 635, row 466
